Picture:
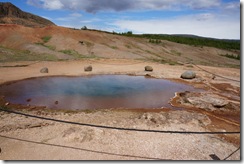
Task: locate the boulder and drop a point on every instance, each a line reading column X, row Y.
column 148, row 68
column 188, row 75
column 44, row 70
column 208, row 102
column 88, row 68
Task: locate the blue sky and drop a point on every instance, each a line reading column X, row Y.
column 208, row 18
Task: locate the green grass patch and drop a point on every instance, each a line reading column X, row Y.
column 232, row 56
column 114, row 47
column 155, row 41
column 50, row 47
column 174, row 52
column 45, row 39
column 12, row 55
column 128, row 46
column 73, row 53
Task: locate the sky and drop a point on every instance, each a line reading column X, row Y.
column 207, row 18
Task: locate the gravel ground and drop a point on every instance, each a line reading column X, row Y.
column 25, row 138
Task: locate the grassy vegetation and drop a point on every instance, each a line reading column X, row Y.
column 189, row 40
column 45, row 39
column 128, row 46
column 73, row 53
column 184, row 39
column 164, row 61
column 232, row 56
column 53, row 48
column 114, row 47
column 155, row 41
column 11, row 55
column 197, row 41
column 175, row 52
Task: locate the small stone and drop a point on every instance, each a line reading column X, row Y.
column 56, row 102
column 148, row 68
column 44, row 70
column 188, row 75
column 88, row 68
column 28, row 100
column 7, row 103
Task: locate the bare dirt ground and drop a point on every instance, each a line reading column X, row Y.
column 95, row 44
column 25, row 138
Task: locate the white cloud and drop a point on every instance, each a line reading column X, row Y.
column 52, row 5
column 205, row 25
column 70, row 17
column 94, row 6
column 76, row 15
column 219, row 18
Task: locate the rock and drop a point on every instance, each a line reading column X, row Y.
column 28, row 100
column 81, row 42
column 219, row 103
column 88, row 68
column 10, row 14
column 210, row 102
column 148, row 68
column 44, row 70
column 188, row 75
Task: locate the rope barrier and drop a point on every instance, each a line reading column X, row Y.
column 215, row 74
column 106, row 127
column 81, row 149
column 114, row 128
column 231, row 154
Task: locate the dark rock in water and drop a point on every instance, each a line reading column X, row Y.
column 28, row 100
column 188, row 75
column 88, row 68
column 44, row 70
column 148, row 68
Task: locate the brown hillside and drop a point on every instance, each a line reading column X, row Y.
column 10, row 14
column 66, row 43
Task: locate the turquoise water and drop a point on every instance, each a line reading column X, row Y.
column 93, row 92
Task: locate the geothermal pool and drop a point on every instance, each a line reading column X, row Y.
column 93, row 92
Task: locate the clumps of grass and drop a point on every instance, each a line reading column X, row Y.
column 12, row 55
column 53, row 48
column 45, row 39
column 128, row 46
column 232, row 56
column 164, row 61
column 72, row 53
column 155, row 41
column 175, row 52
column 50, row 47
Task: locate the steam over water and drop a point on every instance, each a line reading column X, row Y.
column 93, row 92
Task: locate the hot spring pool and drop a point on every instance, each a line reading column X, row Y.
column 93, row 92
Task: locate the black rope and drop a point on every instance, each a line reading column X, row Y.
column 231, row 154
column 81, row 149
column 215, row 74
column 114, row 128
